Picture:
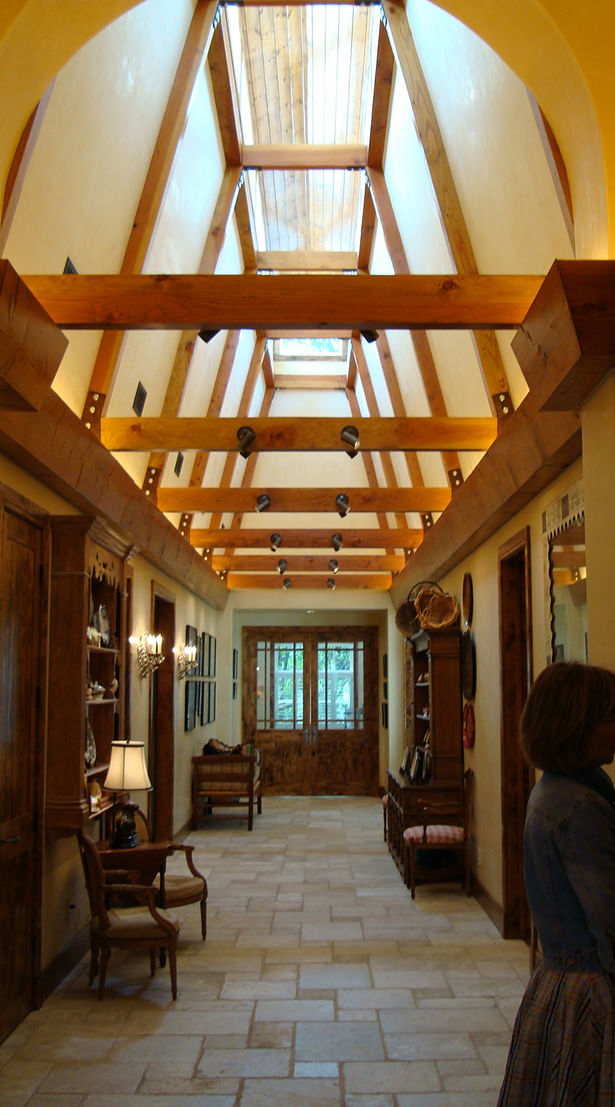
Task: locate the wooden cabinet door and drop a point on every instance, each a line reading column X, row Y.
column 22, row 631
column 309, row 700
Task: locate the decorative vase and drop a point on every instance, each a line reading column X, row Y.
column 90, row 748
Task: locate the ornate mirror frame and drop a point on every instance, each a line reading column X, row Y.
column 563, row 513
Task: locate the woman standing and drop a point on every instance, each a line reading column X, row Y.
column 562, row 1049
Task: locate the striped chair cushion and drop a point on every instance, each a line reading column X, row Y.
column 435, row 835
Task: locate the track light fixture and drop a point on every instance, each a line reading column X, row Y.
column 263, row 502
column 331, row 584
column 333, row 565
column 282, row 565
column 342, row 504
column 370, row 336
column 245, row 437
column 275, row 540
column 286, row 583
column 350, row 435
column 337, row 542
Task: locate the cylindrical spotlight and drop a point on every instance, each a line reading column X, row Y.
column 245, row 437
column 337, row 542
column 333, row 565
column 331, row 584
column 282, row 565
column 263, row 502
column 286, row 583
column 342, row 504
column 275, row 540
column 350, row 435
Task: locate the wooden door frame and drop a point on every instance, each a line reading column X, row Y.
column 37, row 517
column 162, row 724
column 250, row 635
column 516, row 670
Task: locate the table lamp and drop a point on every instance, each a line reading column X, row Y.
column 127, row 773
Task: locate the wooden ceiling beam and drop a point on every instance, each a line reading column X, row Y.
column 291, row 434
column 305, row 261
column 449, row 204
column 365, row 538
column 322, row 382
column 376, row 582
column 302, row 155
column 292, row 302
column 359, row 563
column 301, row 500
column 195, row 49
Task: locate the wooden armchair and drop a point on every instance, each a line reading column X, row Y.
column 443, row 827
column 140, row 926
column 177, row 889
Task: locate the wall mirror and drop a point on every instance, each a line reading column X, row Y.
column 566, row 577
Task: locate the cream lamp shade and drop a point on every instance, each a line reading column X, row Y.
column 127, row 768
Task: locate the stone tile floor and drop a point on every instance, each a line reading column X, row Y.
column 321, row 983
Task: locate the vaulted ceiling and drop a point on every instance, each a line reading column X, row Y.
column 380, row 412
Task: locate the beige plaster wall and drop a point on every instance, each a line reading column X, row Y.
column 484, row 758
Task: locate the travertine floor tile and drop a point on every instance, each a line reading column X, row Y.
column 321, row 984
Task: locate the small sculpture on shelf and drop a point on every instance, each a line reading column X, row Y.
column 90, row 747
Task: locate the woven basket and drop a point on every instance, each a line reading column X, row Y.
column 406, row 618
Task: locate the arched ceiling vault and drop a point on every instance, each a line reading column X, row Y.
column 296, row 224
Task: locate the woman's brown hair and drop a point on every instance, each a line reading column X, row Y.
column 566, row 703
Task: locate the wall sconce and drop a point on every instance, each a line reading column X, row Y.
column 337, row 542
column 282, row 565
column 331, row 584
column 333, row 565
column 185, row 657
column 263, row 502
column 149, row 652
column 274, row 541
column 245, row 437
column 350, row 435
column 342, row 504
column 286, row 583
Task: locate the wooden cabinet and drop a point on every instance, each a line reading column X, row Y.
column 86, row 674
column 433, row 705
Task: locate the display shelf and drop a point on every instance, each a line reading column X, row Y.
column 87, row 600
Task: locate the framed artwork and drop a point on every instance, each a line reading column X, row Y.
column 212, row 656
column 190, row 705
column 235, row 664
column 205, row 640
column 199, row 701
column 234, row 689
column 211, row 702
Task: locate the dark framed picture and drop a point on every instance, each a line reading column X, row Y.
column 235, row 664
column 190, row 706
column 385, row 665
column 200, row 655
column 212, row 656
column 191, row 635
column 200, row 687
column 234, row 689
column 211, row 711
column 205, row 638
column 385, row 715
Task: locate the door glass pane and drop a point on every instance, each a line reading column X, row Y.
column 279, row 685
column 340, row 685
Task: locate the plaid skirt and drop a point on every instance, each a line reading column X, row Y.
column 562, row 1048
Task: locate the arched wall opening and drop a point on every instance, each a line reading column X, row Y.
column 561, row 55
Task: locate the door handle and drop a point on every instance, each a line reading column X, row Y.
column 10, row 841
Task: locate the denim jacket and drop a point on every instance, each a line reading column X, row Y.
column 569, row 861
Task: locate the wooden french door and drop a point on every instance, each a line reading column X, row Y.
column 23, row 567
column 309, row 700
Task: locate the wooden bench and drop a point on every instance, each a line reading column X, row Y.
column 226, row 780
